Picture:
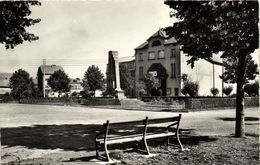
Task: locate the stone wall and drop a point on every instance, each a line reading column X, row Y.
column 205, row 103
column 73, row 101
column 218, row 102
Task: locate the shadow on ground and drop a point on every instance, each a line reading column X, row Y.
column 76, row 137
column 234, row 119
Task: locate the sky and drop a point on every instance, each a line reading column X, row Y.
column 77, row 34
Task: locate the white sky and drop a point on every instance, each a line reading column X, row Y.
column 77, row 34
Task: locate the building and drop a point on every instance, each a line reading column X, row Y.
column 75, row 85
column 43, row 78
column 160, row 56
column 4, row 83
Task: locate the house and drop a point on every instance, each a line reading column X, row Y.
column 160, row 57
column 44, row 73
column 4, row 83
column 75, row 85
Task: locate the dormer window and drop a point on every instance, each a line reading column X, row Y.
column 156, row 43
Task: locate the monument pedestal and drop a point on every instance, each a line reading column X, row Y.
column 120, row 94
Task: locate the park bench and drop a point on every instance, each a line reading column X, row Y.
column 138, row 132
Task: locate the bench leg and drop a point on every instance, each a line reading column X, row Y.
column 97, row 150
column 178, row 139
column 106, row 152
column 146, row 147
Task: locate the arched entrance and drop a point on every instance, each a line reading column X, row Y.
column 160, row 72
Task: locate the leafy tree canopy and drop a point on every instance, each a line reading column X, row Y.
column 94, row 78
column 209, row 27
column 59, row 82
column 13, row 22
column 230, row 74
column 21, row 84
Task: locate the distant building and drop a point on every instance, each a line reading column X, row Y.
column 49, row 70
column 4, row 83
column 75, row 85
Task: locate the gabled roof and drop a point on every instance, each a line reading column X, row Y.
column 159, row 33
column 142, row 46
column 4, row 79
column 126, row 59
column 50, row 69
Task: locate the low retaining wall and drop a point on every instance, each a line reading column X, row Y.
column 49, row 101
column 218, row 102
column 73, row 101
column 100, row 101
column 204, row 103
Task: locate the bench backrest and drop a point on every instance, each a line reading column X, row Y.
column 140, row 126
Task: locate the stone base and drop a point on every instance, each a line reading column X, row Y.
column 120, row 94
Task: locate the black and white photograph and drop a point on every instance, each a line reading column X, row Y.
column 136, row 82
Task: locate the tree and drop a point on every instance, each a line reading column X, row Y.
column 214, row 91
column 21, row 84
column 85, row 93
column 229, row 28
column 151, row 82
column 13, row 22
column 231, row 64
column 94, row 78
column 227, row 90
column 59, row 82
column 127, row 80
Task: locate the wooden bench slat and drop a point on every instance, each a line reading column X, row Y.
column 128, row 139
column 163, row 120
column 129, row 123
column 160, row 135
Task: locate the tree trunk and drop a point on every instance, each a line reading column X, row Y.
column 240, row 113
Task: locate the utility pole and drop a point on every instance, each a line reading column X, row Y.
column 213, row 76
column 44, row 63
column 222, row 79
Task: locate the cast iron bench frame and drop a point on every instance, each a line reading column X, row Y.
column 103, row 139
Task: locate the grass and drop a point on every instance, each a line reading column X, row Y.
column 223, row 150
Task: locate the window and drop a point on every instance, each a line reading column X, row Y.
column 151, row 56
column 140, row 56
column 156, row 43
column 176, row 91
column 141, row 70
column 173, row 70
column 161, row 54
column 173, row 53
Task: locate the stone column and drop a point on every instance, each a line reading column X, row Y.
column 120, row 92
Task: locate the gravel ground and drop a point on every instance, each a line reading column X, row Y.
column 42, row 134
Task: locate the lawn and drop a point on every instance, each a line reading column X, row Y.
column 41, row 134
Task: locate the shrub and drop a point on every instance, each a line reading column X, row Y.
column 252, row 89
column 191, row 88
column 214, row 91
column 227, row 90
